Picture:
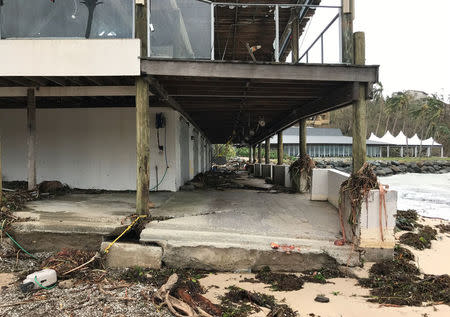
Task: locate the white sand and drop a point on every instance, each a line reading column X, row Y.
column 351, row 300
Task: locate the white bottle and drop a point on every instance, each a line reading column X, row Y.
column 45, row 278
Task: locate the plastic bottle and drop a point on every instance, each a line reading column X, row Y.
column 37, row 280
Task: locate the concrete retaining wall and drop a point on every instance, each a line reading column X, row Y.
column 281, row 175
column 326, row 186
column 267, row 170
column 96, row 148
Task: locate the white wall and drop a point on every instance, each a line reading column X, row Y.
column 87, row 148
column 70, row 57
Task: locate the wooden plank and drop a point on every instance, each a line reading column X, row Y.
column 359, row 127
column 280, row 152
column 31, row 136
column 71, row 91
column 302, row 137
column 283, row 72
column 347, row 32
column 140, row 26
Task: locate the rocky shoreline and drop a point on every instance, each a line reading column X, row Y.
column 385, row 168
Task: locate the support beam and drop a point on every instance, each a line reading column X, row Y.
column 31, row 136
column 70, row 91
column 359, row 129
column 280, row 153
column 254, row 154
column 295, row 36
column 142, row 118
column 267, row 151
column 302, row 137
column 143, row 146
column 250, row 154
column 347, row 16
column 259, row 154
column 1, row 175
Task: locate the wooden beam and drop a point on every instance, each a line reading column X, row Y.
column 333, row 99
column 158, row 89
column 262, row 71
column 254, row 153
column 347, row 31
column 359, row 127
column 280, row 152
column 71, row 91
column 267, row 151
column 31, row 136
column 142, row 118
column 259, row 154
column 302, row 137
column 143, row 146
column 295, row 36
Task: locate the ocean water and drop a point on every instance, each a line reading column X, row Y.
column 429, row 194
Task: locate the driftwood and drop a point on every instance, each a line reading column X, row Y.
column 179, row 307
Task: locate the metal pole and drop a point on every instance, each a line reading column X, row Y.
column 277, row 34
column 321, row 48
column 212, row 31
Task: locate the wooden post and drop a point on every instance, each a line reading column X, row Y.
column 295, row 37
column 1, row 175
column 267, row 151
column 347, row 17
column 259, row 154
column 280, row 148
column 142, row 119
column 250, row 154
column 302, row 137
column 31, row 129
column 254, row 153
column 359, row 129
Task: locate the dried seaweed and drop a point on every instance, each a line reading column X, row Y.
column 304, row 165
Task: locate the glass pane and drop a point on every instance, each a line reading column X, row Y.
column 66, row 19
column 181, row 29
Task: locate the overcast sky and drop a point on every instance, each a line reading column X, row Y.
column 409, row 39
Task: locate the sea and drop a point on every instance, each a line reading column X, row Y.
column 429, row 194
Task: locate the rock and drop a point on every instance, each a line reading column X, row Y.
column 430, row 169
column 380, row 172
column 322, row 299
column 420, row 164
column 4, row 209
column 427, row 163
column 66, row 284
column 395, row 169
column 383, row 164
column 387, row 171
column 442, row 171
column 395, row 163
column 402, row 168
column 436, row 167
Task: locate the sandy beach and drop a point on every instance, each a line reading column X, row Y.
column 346, row 297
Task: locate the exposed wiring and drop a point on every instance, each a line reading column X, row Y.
column 165, row 156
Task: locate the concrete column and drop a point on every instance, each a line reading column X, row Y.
column 347, row 16
column 280, row 153
column 415, row 151
column 31, row 136
column 267, row 151
column 442, row 155
column 259, row 154
column 359, row 129
column 429, row 151
column 401, row 151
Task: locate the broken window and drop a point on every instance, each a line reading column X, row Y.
column 66, row 19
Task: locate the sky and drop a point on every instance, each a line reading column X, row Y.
column 409, row 39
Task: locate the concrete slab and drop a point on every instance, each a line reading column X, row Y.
column 122, row 255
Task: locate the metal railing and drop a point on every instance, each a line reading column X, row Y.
column 320, row 37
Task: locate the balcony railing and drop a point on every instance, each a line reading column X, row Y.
column 178, row 29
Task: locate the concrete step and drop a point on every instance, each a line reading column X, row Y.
column 231, row 251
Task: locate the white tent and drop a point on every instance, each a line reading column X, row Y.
column 401, row 139
column 414, row 140
column 374, row 138
column 388, row 138
column 430, row 142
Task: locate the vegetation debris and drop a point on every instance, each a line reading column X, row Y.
column 398, row 282
column 280, row 281
column 420, row 240
column 444, row 228
column 401, row 253
column 406, row 219
column 238, row 302
column 302, row 165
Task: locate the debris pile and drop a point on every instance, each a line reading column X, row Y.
column 303, row 166
column 406, row 219
column 420, row 240
column 398, row 282
column 217, row 179
column 356, row 189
